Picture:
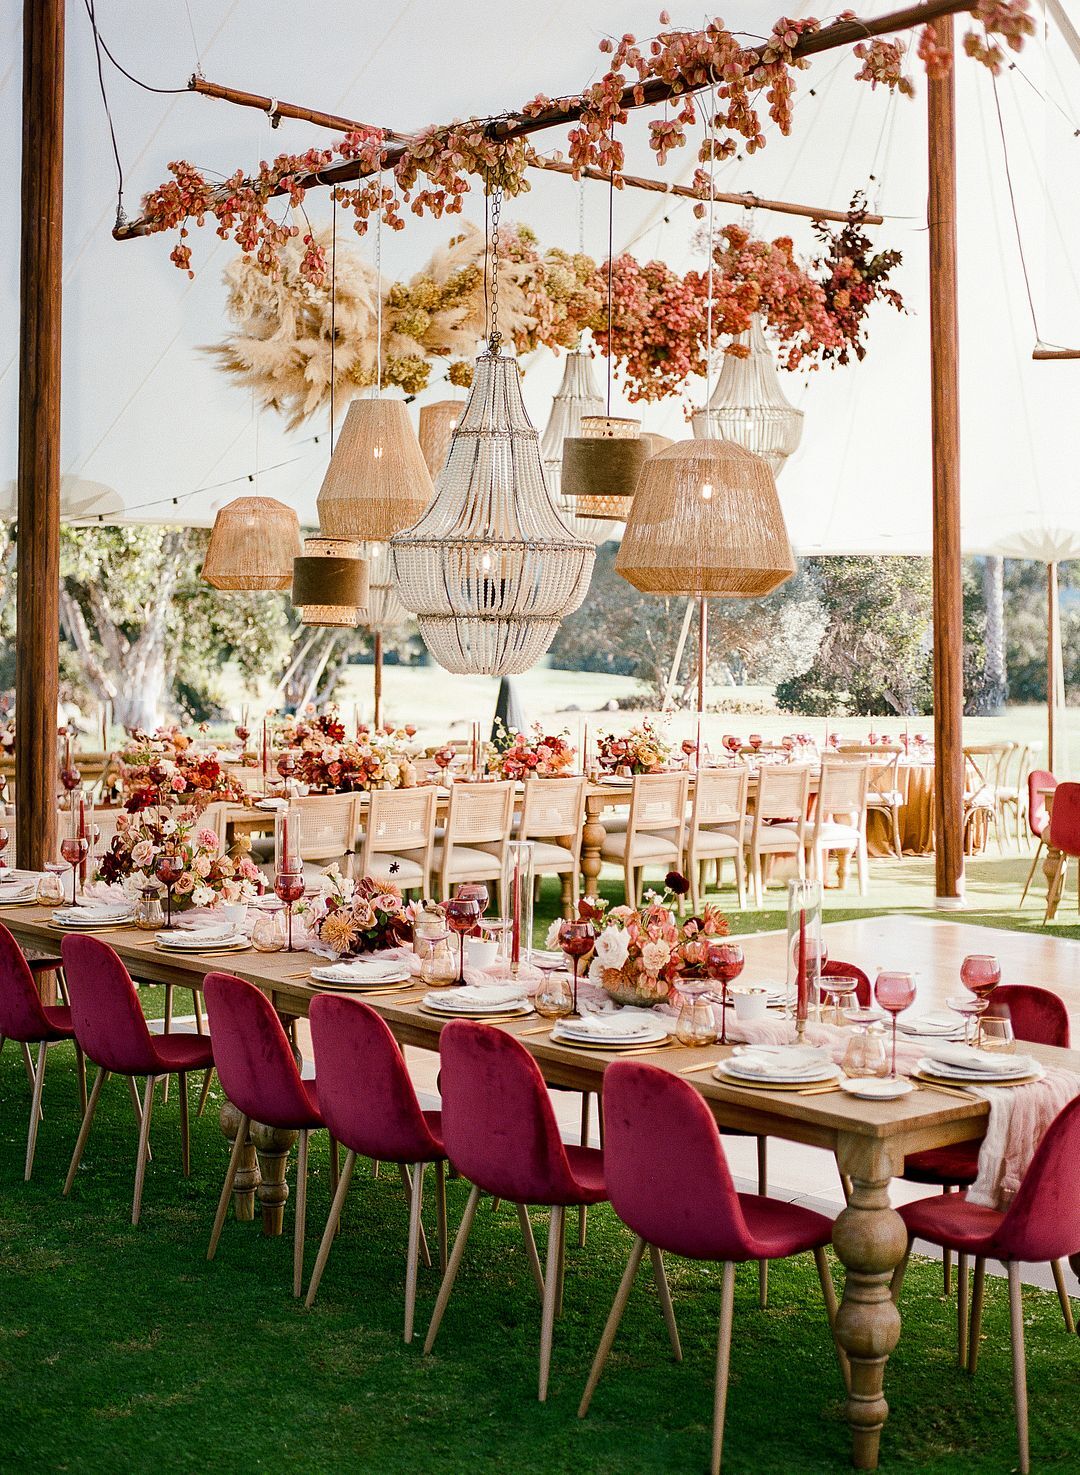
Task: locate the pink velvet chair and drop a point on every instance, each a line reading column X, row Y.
column 1042, row 1223
column 834, row 968
column 1037, row 1015
column 258, row 1074
column 24, row 1019
column 683, row 1201
column 112, row 1032
column 500, row 1132
column 1040, row 783
column 367, row 1100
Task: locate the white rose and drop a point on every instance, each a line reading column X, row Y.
column 654, row 955
column 551, row 941
column 612, row 947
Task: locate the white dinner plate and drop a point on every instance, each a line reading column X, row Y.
column 363, row 979
column 634, row 1032
column 876, row 1088
column 812, row 1077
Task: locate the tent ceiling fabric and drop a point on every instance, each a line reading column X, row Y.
column 147, row 418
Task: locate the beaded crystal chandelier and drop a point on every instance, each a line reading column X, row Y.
column 383, row 610
column 491, row 568
column 748, row 405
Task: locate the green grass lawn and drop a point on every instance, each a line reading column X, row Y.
column 122, row 1349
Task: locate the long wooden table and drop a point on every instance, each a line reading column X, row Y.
column 870, row 1139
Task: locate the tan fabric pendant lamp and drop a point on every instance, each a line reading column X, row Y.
column 330, row 583
column 437, row 425
column 252, row 545
column 601, row 466
column 377, row 481
column 706, row 520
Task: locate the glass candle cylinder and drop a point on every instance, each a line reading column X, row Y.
column 517, row 893
column 287, row 839
column 804, row 948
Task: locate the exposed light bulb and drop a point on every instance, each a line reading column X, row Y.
column 376, row 452
column 485, row 562
column 706, row 491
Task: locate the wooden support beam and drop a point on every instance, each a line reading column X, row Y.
column 945, row 422
column 653, row 92
column 378, row 660
column 37, row 633
column 1041, row 354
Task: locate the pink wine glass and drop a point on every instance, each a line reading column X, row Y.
column 895, row 992
column 724, row 962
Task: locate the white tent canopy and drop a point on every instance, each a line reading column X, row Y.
column 153, row 432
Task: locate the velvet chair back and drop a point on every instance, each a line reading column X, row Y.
column 1039, row 781
column 1065, row 819
column 834, row 968
column 21, row 1014
column 1037, row 1014
column 498, row 1126
column 365, row 1095
column 252, row 1053
column 1043, row 1221
column 665, row 1168
column 105, row 1010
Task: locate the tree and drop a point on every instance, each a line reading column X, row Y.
column 1025, row 647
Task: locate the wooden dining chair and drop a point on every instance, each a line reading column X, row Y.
column 399, row 838
column 552, row 817
column 1040, row 783
column 840, row 818
column 655, row 828
column 328, row 826
column 884, row 794
column 1011, row 793
column 479, row 818
column 779, row 826
column 982, row 768
column 717, row 829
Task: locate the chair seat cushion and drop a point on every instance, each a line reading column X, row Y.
column 716, row 842
column 59, row 1017
column 833, row 834
column 957, row 1163
column 948, row 1219
column 780, row 1229
column 183, row 1051
column 614, row 824
column 546, row 853
column 467, row 863
column 587, row 1167
column 648, row 845
column 778, row 837
column 399, row 869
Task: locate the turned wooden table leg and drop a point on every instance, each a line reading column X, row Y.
column 870, row 1239
column 272, row 1144
column 592, row 837
column 248, row 1177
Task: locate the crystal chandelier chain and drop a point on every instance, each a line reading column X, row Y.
column 495, row 338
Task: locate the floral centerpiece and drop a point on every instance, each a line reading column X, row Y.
column 351, row 917
column 641, row 955
column 210, row 876
column 644, row 749
column 368, row 762
column 516, row 755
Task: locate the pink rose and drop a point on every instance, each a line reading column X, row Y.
column 202, row 866
column 207, row 840
column 178, row 783
column 142, row 853
column 185, row 884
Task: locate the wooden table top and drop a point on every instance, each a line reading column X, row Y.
column 922, row 1119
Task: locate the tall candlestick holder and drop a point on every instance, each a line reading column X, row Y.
column 517, row 891
column 803, row 950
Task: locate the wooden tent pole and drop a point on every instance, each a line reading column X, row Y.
column 37, row 634
column 1053, row 645
column 945, row 423
column 702, row 651
column 378, row 679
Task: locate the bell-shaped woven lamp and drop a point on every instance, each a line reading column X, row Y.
column 601, row 466
column 437, row 424
column 252, row 545
column 377, row 480
column 748, row 405
column 578, row 395
column 491, row 568
column 706, row 520
column 330, row 582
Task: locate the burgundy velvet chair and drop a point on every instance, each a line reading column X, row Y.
column 834, row 968
column 1039, row 782
column 500, row 1132
column 1037, row 1015
column 24, row 1019
column 684, row 1202
column 367, row 1100
column 258, row 1074
column 112, row 1032
column 1042, row 1223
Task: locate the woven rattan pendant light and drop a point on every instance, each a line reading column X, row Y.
column 377, row 480
column 330, row 583
column 579, row 395
column 706, row 520
column 252, row 545
column 437, row 423
column 748, row 405
column 491, row 568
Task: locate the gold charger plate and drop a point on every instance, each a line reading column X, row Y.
column 615, row 1046
column 723, row 1079
column 93, row 926
column 197, row 952
column 935, row 1080
column 330, row 986
column 484, row 1018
